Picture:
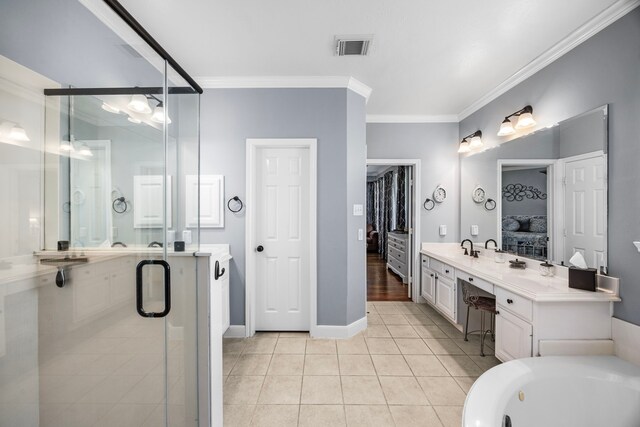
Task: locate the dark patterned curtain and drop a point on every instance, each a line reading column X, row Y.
column 401, row 199
column 371, row 204
column 385, row 211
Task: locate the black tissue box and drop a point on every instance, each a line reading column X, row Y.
column 580, row 278
column 178, row 246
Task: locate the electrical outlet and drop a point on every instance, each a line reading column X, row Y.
column 474, row 230
column 360, row 234
column 637, row 244
column 443, row 230
column 358, row 210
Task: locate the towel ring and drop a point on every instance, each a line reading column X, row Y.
column 119, row 205
column 239, row 204
column 490, row 204
column 429, row 204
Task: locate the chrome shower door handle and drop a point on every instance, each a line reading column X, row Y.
column 167, row 288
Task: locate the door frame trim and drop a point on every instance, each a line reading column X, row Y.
column 417, row 183
column 250, row 280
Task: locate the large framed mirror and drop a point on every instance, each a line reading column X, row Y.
column 550, row 192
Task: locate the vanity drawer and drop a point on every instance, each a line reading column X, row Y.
column 398, row 254
column 518, row 305
column 442, row 268
column 477, row 282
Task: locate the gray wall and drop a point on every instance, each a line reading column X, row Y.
column 230, row 116
column 526, row 177
column 604, row 69
column 436, row 144
column 64, row 41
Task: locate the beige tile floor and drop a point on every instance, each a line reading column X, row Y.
column 411, row 367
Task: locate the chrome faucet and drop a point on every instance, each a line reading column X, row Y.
column 486, row 244
column 466, row 252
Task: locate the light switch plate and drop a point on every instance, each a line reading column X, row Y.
column 443, row 230
column 358, row 210
column 474, row 230
column 186, row 237
column 360, row 234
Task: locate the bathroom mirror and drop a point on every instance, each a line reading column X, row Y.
column 109, row 168
column 550, row 189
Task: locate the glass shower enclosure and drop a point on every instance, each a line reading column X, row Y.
column 102, row 289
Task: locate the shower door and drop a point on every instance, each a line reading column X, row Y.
column 117, row 341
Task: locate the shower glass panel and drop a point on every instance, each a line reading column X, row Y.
column 99, row 285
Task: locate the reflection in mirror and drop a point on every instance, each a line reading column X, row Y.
column 550, row 188
column 102, row 152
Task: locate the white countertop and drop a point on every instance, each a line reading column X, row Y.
column 527, row 283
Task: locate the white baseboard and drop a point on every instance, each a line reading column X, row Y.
column 575, row 347
column 626, row 340
column 339, row 332
column 236, row 331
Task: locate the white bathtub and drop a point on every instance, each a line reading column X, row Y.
column 584, row 391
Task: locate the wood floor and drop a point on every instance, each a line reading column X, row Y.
column 382, row 284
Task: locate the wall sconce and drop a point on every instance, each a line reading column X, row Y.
column 470, row 142
column 525, row 120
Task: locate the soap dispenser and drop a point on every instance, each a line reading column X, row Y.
column 499, row 256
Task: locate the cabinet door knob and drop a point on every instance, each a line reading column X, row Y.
column 471, row 279
column 497, row 312
column 432, row 275
column 509, row 301
column 446, row 271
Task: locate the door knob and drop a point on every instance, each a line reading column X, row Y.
column 260, row 248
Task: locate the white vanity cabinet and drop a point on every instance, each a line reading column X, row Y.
column 446, row 296
column 428, row 282
column 513, row 336
column 439, row 286
column 530, row 308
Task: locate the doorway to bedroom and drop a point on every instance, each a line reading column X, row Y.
column 390, row 231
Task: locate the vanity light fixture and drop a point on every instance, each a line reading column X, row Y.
column 17, row 133
column 470, row 142
column 66, row 147
column 110, row 108
column 139, row 104
column 83, row 149
column 158, row 114
column 525, row 120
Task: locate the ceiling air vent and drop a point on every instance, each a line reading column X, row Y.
column 353, row 45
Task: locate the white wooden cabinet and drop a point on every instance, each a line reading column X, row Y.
column 397, row 254
column 446, row 296
column 428, row 283
column 513, row 336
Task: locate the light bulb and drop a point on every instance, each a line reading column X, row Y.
column 84, row 150
column 525, row 120
column 506, row 128
column 17, row 133
column 464, row 147
column 139, row 104
column 476, row 142
column 110, row 108
column 66, row 146
column 158, row 115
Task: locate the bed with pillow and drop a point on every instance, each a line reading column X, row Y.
column 525, row 235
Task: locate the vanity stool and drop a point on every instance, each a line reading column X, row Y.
column 485, row 305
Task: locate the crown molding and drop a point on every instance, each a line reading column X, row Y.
column 296, row 82
column 398, row 118
column 580, row 35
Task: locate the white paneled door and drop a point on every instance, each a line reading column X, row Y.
column 282, row 236
column 585, row 213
